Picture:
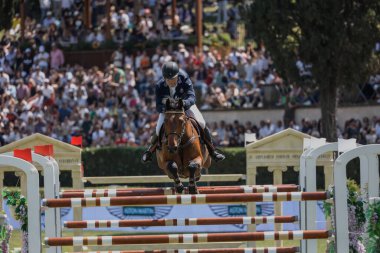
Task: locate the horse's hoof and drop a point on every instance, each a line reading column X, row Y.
column 193, row 189
column 179, row 188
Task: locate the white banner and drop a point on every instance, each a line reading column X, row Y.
column 185, row 211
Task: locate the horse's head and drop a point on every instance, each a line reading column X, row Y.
column 174, row 124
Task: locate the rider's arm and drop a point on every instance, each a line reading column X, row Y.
column 159, row 105
column 189, row 94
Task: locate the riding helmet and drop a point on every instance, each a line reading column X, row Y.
column 170, row 70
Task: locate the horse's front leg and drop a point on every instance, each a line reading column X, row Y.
column 173, row 168
column 193, row 167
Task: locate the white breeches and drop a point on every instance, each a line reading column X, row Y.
column 193, row 111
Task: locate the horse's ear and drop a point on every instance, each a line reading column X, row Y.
column 180, row 104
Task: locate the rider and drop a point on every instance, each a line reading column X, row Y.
column 177, row 84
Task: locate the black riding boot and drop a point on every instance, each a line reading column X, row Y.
column 217, row 156
column 147, row 156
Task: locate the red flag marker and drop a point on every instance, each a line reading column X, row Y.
column 76, row 140
column 25, row 154
column 44, row 150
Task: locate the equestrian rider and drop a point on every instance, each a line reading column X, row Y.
column 176, row 84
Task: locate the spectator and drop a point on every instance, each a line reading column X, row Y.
column 215, row 98
column 279, row 127
column 49, row 20
column 117, row 57
column 48, row 93
column 42, row 59
column 377, row 128
column 27, row 61
column 232, row 27
column 37, row 101
column 22, row 91
column 57, row 59
column 233, row 96
column 370, row 136
column 64, row 113
column 44, row 7
column 102, row 111
column 4, row 77
column 222, row 11
column 40, row 126
column 97, row 136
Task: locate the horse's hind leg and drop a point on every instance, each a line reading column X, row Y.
column 193, row 167
column 173, row 168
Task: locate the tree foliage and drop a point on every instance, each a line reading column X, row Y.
column 337, row 37
column 8, row 10
column 10, row 7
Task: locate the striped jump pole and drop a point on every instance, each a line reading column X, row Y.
column 225, row 250
column 180, row 222
column 187, row 238
column 205, row 187
column 171, row 191
column 186, row 199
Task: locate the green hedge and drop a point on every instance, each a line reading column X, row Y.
column 126, row 162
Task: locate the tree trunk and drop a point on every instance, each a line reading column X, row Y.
column 108, row 15
column 22, row 16
column 87, row 14
column 199, row 26
column 328, row 111
column 136, row 7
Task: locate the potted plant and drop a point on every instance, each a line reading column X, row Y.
column 373, row 227
column 356, row 218
column 5, row 233
column 19, row 210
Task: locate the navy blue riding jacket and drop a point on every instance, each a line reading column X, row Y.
column 183, row 90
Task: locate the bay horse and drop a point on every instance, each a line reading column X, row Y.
column 181, row 153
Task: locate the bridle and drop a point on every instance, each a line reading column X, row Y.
column 180, row 136
column 183, row 129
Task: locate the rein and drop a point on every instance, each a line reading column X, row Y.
column 181, row 135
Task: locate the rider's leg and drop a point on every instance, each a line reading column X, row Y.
column 206, row 135
column 147, row 156
column 215, row 154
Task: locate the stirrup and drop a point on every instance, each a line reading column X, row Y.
column 218, row 156
column 146, row 157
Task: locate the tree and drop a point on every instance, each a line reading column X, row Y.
column 336, row 37
column 8, row 9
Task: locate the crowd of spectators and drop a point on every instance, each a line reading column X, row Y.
column 365, row 131
column 65, row 21
column 114, row 104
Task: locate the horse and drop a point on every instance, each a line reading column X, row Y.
column 181, row 154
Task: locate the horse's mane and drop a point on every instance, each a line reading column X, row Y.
column 174, row 106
